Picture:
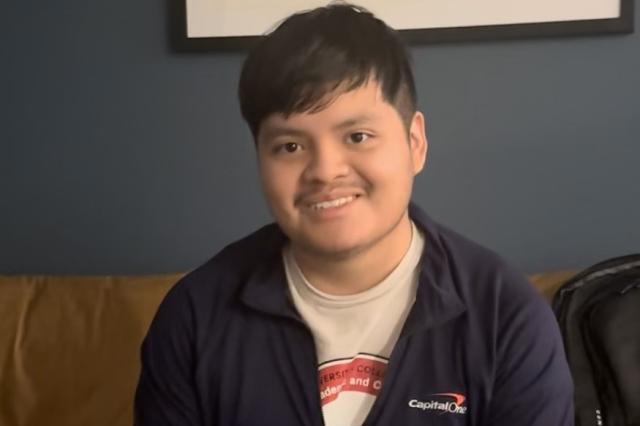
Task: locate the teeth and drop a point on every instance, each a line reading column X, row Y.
column 333, row 203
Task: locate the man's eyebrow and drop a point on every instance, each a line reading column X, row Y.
column 354, row 121
column 276, row 131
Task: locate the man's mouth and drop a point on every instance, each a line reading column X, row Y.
column 331, row 204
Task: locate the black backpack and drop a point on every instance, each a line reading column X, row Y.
column 599, row 315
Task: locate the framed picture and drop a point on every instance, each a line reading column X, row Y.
column 211, row 24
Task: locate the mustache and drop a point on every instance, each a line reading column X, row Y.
column 319, row 192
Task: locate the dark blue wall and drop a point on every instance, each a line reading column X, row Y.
column 120, row 156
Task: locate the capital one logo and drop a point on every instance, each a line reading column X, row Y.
column 442, row 403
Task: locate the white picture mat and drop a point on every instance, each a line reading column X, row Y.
column 227, row 18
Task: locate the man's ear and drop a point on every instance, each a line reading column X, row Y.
column 418, row 142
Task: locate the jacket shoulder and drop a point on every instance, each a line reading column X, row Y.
column 482, row 276
column 220, row 278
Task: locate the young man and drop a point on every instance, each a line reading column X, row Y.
column 355, row 308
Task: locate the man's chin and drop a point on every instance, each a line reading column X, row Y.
column 333, row 250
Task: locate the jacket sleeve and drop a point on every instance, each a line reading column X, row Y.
column 166, row 392
column 533, row 385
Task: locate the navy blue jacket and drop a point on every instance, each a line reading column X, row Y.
column 479, row 347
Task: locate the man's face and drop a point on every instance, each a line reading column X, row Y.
column 339, row 180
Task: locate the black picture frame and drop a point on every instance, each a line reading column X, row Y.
column 624, row 24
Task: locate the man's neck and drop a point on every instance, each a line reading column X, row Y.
column 362, row 270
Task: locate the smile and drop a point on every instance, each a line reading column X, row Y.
column 332, row 203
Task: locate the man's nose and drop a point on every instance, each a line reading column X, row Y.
column 328, row 161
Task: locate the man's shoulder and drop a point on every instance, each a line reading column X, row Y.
column 457, row 252
column 202, row 302
column 498, row 299
column 478, row 273
column 234, row 264
column 246, row 253
column 465, row 252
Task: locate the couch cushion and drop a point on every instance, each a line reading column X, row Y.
column 549, row 282
column 69, row 347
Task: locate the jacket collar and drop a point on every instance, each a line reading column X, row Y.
column 437, row 300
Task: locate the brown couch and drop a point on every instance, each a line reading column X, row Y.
column 69, row 346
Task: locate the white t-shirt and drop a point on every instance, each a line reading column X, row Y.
column 355, row 334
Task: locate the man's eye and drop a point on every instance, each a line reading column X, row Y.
column 289, row 147
column 358, row 137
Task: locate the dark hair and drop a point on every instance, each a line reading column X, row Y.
column 313, row 56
